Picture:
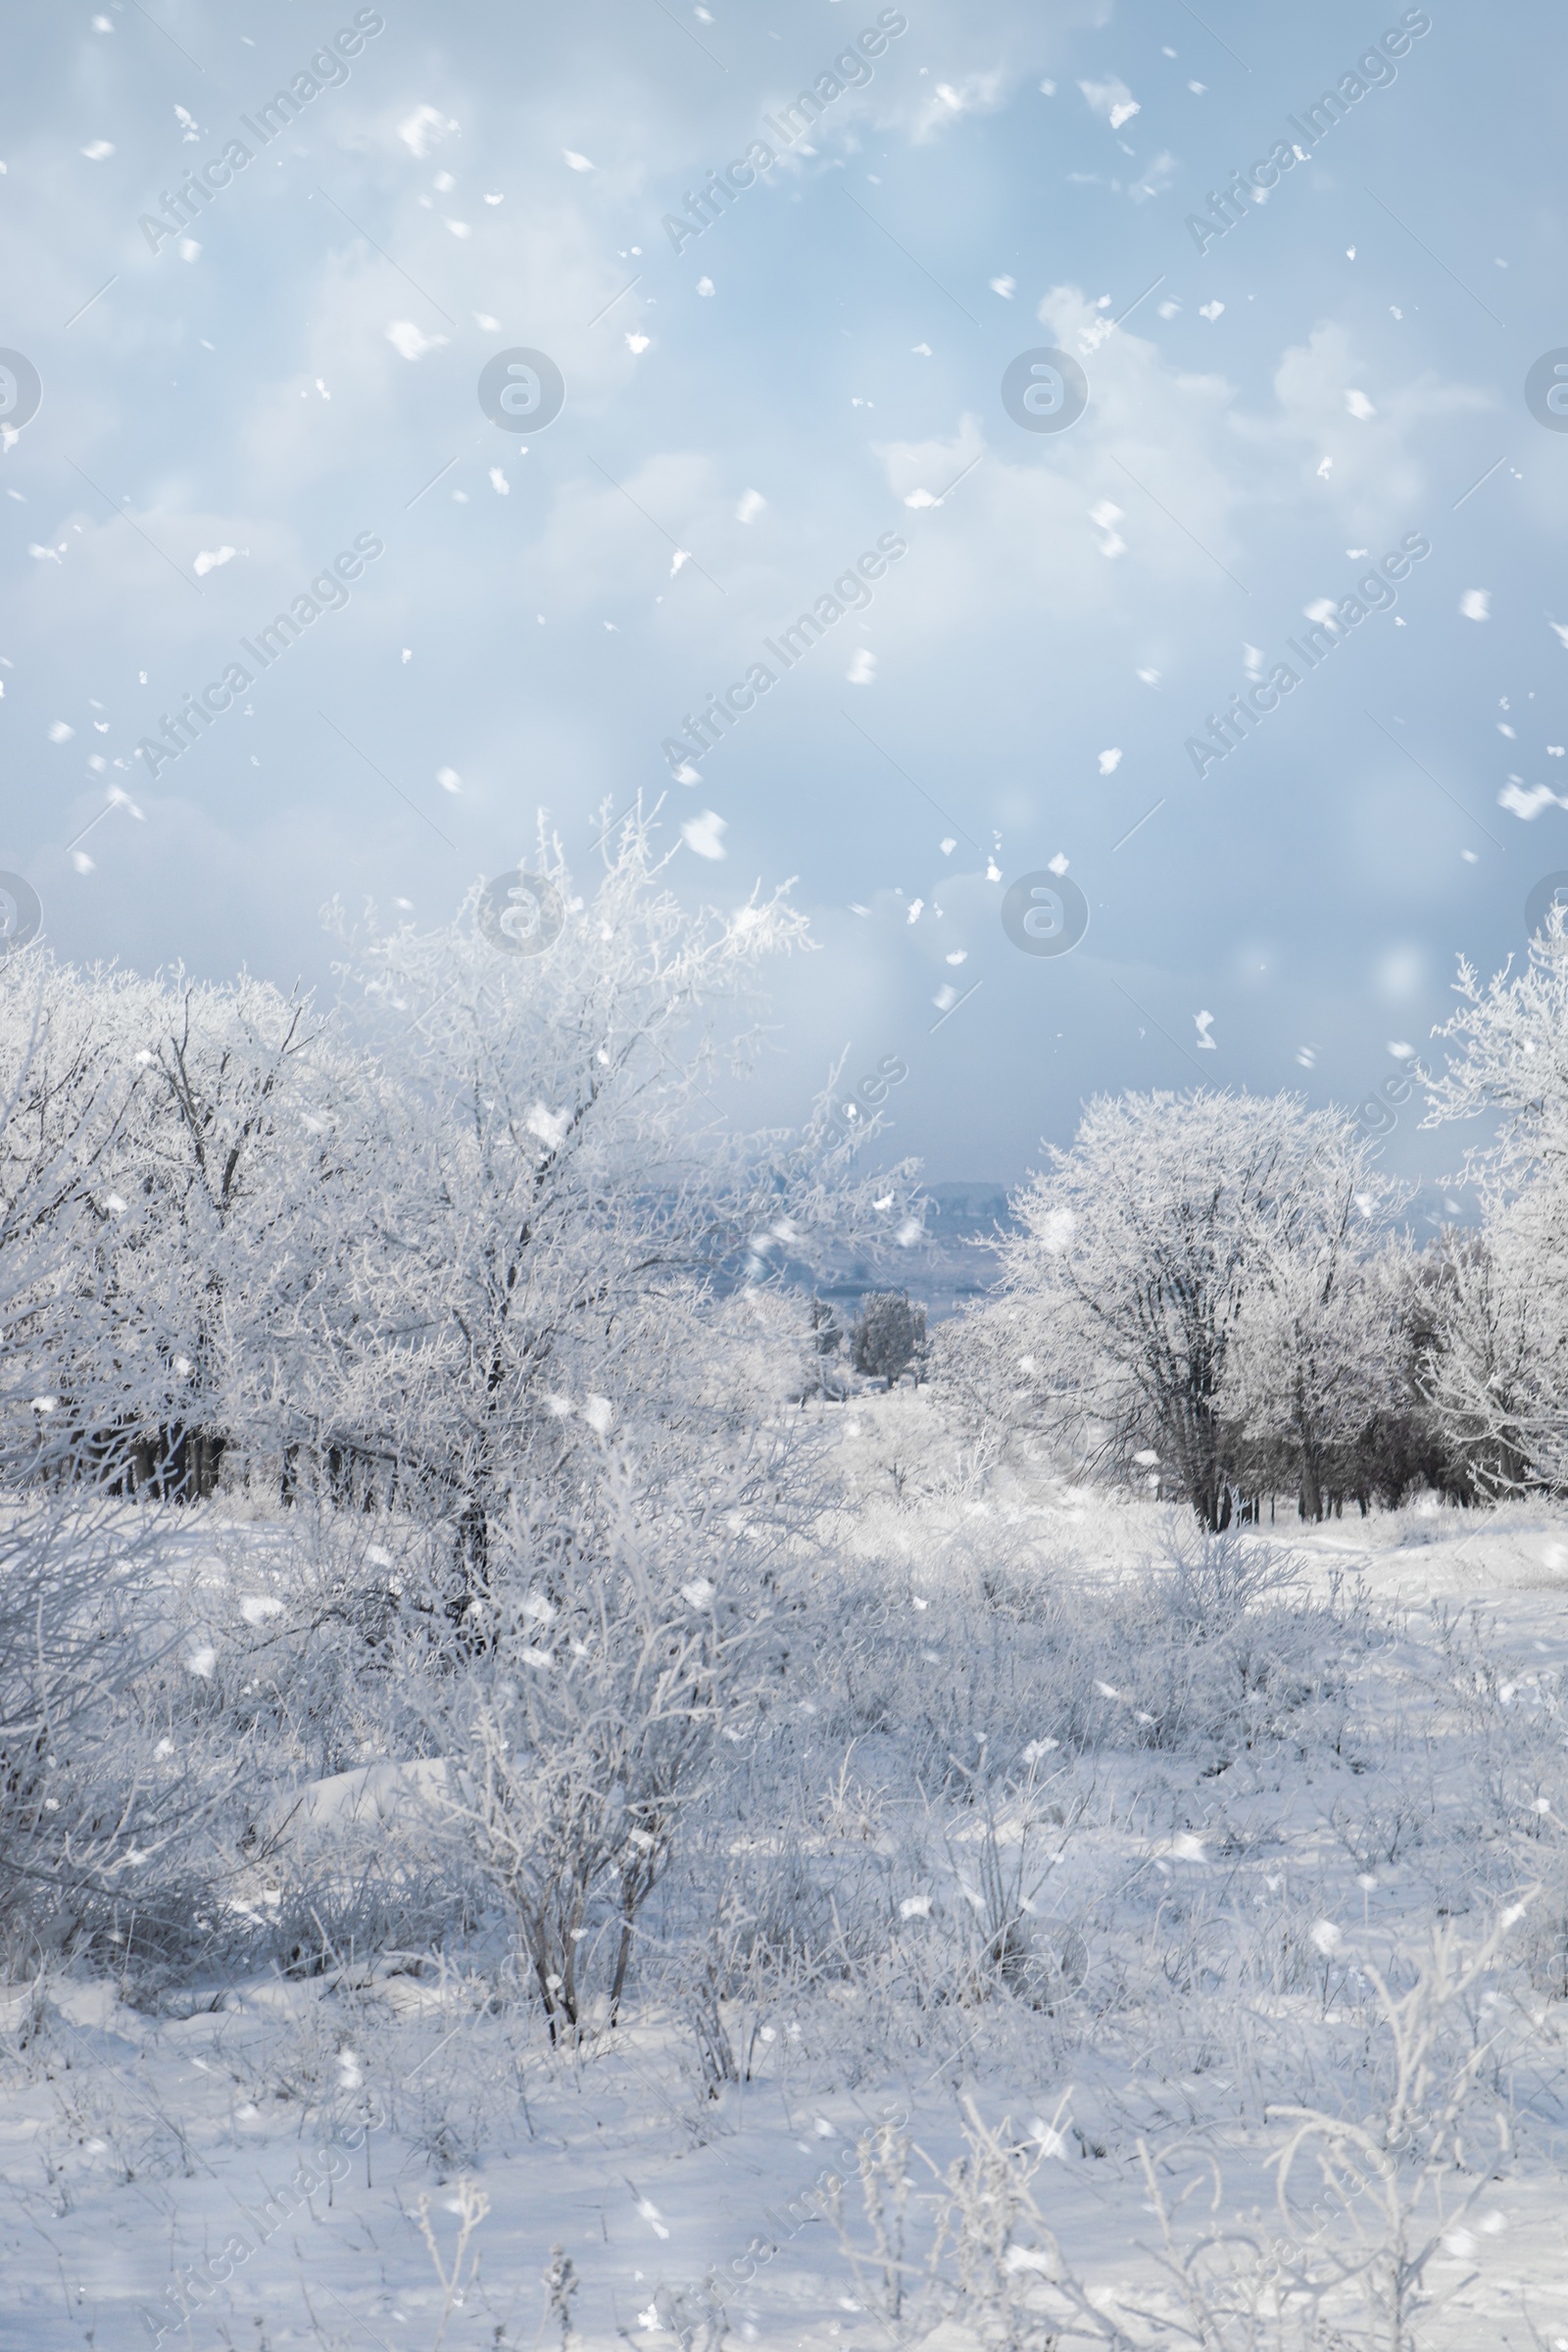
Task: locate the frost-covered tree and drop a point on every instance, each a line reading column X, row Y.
column 1492, row 1356
column 1317, row 1357
column 1499, row 1370
column 558, row 1200
column 428, row 1244
column 1141, row 1252
column 69, row 1108
column 168, row 1163
column 235, row 1191
column 888, row 1338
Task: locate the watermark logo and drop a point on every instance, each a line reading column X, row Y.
column 1332, row 624
column 1545, row 390
column 1378, row 1113
column 1044, row 914
column 183, row 206
column 1373, row 69
column 851, row 70
column 850, row 592
column 21, row 391
column 21, row 913
column 279, row 2208
column 327, row 593
column 853, row 1116
column 522, row 391
column 522, row 914
column 1551, row 891
column 1045, row 391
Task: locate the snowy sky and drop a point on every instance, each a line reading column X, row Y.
column 296, row 367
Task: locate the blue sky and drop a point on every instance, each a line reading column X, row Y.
column 744, row 419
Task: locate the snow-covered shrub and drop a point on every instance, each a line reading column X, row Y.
column 988, row 1385
column 1203, row 1644
column 1340, row 2267
column 592, row 1674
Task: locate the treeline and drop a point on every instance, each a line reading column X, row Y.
column 1215, row 1295
column 430, row 1247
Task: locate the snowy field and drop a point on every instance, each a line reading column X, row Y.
column 1059, row 1894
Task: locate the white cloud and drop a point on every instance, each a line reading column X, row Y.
column 1374, row 460
column 911, row 464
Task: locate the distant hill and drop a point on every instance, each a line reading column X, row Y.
column 962, row 1224
column 952, row 1265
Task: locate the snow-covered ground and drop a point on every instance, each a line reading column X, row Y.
column 1219, row 1829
